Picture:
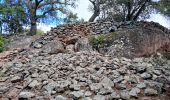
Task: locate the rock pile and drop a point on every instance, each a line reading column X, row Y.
column 84, row 28
column 46, row 71
column 133, row 40
column 83, row 76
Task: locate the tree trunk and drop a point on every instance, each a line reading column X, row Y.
column 93, row 17
column 33, row 29
column 96, row 13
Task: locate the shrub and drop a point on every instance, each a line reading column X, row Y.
column 101, row 40
column 40, row 32
column 2, row 43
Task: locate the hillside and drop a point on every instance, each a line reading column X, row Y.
column 88, row 61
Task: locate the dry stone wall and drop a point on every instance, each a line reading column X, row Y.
column 83, row 28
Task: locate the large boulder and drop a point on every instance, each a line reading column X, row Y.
column 53, row 47
column 83, row 44
column 144, row 38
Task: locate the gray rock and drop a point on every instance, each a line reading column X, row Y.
column 107, row 82
column 34, row 83
column 141, row 69
column 88, row 93
column 60, row 86
column 119, row 79
column 3, row 89
column 99, row 97
column 53, row 47
column 155, row 85
column 168, row 79
column 121, row 86
column 114, row 95
column 76, row 94
column 74, row 87
column 150, row 92
column 26, row 95
column 3, row 79
column 124, row 95
column 36, row 45
column 105, row 91
column 141, row 85
column 83, row 45
column 60, row 97
column 157, row 72
column 70, row 48
column 134, row 92
column 15, row 79
column 95, row 87
column 86, row 98
column 146, row 76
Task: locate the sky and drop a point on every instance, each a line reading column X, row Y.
column 83, row 12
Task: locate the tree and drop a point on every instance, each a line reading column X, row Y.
column 12, row 16
column 95, row 7
column 164, row 7
column 72, row 18
column 123, row 10
column 41, row 9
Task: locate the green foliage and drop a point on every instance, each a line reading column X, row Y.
column 2, row 43
column 12, row 16
column 101, row 40
column 72, row 18
column 164, row 7
column 40, row 32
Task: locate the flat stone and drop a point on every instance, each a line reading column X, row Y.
column 99, row 97
column 168, row 79
column 141, row 86
column 87, row 98
column 134, row 92
column 141, row 69
column 60, row 97
column 95, row 87
column 107, row 82
column 26, row 95
column 3, row 79
column 157, row 72
column 15, row 79
column 119, row 79
column 3, row 89
column 76, row 94
column 124, row 95
column 121, row 86
column 88, row 93
column 37, row 45
column 114, row 95
column 74, row 87
column 105, row 91
column 34, row 83
column 150, row 92
column 146, row 76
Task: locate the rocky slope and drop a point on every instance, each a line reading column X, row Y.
column 84, row 76
column 64, row 67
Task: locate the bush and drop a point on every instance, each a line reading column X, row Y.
column 2, row 43
column 40, row 32
column 101, row 40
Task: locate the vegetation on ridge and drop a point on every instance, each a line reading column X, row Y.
column 101, row 40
